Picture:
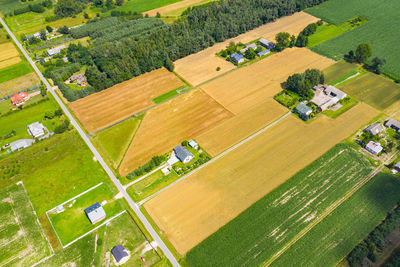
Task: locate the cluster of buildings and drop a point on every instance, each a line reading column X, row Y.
column 79, row 78
column 376, row 148
column 239, row 58
column 182, row 154
column 19, row 99
column 327, row 97
column 36, row 130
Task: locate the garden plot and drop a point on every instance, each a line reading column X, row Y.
column 22, row 240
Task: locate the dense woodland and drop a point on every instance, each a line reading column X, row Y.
column 124, row 57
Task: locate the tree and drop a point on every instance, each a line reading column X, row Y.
column 23, row 37
column 377, row 64
column 158, row 15
column 363, row 52
column 98, row 3
column 310, row 29
column 250, row 54
column 302, row 40
column 119, row 2
column 68, row 8
column 109, row 4
column 63, row 30
column 169, row 65
column 282, row 41
column 43, row 90
column 43, row 34
column 49, row 28
column 292, row 41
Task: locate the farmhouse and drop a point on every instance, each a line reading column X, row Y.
column 79, row 78
column 237, row 58
column 394, row 124
column 263, row 53
column 304, row 111
column 267, row 44
column 325, row 97
column 19, row 99
column 374, row 129
column 374, row 148
column 56, row 50
column 36, row 129
column 20, row 144
column 193, row 144
column 183, row 154
column 95, row 213
column 120, row 254
column 243, row 50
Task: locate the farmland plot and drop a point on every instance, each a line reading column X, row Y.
column 198, row 206
column 201, row 67
column 333, row 238
column 176, row 8
column 118, row 102
column 17, row 84
column 263, row 229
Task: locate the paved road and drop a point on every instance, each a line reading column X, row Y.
column 117, row 183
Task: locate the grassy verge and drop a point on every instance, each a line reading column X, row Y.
column 166, row 96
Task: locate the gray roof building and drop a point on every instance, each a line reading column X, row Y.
column 304, row 111
column 334, row 92
column 374, row 148
column 193, row 144
column 20, row 144
column 266, row 43
column 183, row 154
column 95, row 213
column 56, row 50
column 374, row 129
column 252, row 45
column 263, row 53
column 120, row 254
column 237, row 58
column 394, row 124
column 36, row 129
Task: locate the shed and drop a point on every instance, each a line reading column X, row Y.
column 394, row 124
column 263, row 53
column 36, row 129
column 193, row 144
column 253, row 46
column 304, row 111
column 95, row 213
column 183, row 154
column 237, row 58
column 20, row 144
column 120, row 254
column 374, row 148
column 374, row 128
column 266, row 43
column 56, row 50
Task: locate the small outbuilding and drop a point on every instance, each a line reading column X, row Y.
column 95, row 213
column 20, row 144
column 193, row 144
column 56, row 50
column 36, row 129
column 263, row 53
column 183, row 154
column 374, row 129
column 392, row 123
column 253, row 46
column 120, row 254
column 304, row 111
column 397, row 166
column 237, row 58
column 373, row 147
column 266, row 43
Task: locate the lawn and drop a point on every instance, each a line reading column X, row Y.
column 14, row 71
column 381, row 30
column 336, row 72
column 114, row 141
column 263, row 229
column 22, row 238
column 333, row 238
column 347, row 103
column 166, row 96
column 73, row 222
column 373, row 89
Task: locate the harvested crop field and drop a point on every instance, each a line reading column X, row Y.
column 246, row 87
column 9, row 62
column 181, row 5
column 201, row 67
column 237, row 128
column 198, row 206
column 167, row 125
column 8, row 51
column 17, row 84
column 122, row 100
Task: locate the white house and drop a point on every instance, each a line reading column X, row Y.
column 193, row 144
column 95, row 213
column 374, row 148
column 36, row 129
column 325, row 97
column 56, row 50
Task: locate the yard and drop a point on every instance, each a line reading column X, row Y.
column 269, row 224
column 333, row 238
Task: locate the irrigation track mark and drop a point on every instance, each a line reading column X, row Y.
column 328, row 211
column 217, row 157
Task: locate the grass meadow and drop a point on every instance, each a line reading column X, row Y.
column 263, row 229
column 333, row 238
column 14, row 71
column 21, row 237
column 340, row 69
column 381, row 30
column 373, row 89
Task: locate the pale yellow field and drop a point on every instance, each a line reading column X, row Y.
column 201, row 67
column 7, row 51
column 167, row 125
column 122, row 100
column 27, row 81
column 9, row 62
column 239, row 127
column 175, row 6
column 196, row 207
column 242, row 89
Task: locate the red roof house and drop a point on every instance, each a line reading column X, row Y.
column 19, row 99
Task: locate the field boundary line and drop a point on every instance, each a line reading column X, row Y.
column 145, row 176
column 217, row 157
column 54, row 229
column 94, row 229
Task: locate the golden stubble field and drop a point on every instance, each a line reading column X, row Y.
column 181, row 5
column 8, row 55
column 167, row 125
column 201, row 67
column 122, row 100
column 196, row 207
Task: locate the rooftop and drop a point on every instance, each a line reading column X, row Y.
column 182, row 153
column 36, row 129
column 95, row 212
column 303, row 109
column 119, row 252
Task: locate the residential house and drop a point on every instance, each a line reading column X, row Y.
column 95, row 213
column 36, row 35
column 394, row 124
column 374, row 129
column 304, row 111
column 20, row 144
column 56, row 50
column 267, row 44
column 373, row 147
column 237, row 58
column 397, row 166
column 120, row 254
column 19, row 98
column 243, row 50
column 36, row 129
column 263, row 53
column 79, row 78
column 193, row 144
column 183, row 154
column 325, row 97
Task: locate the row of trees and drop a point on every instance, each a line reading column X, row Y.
column 302, row 83
column 362, row 54
column 285, row 40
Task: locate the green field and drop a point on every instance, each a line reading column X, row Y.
column 7, row 6
column 333, row 238
column 73, row 222
column 336, row 72
column 21, row 237
column 142, row 5
column 373, row 89
column 27, row 20
column 114, row 141
column 264, row 228
column 14, row 71
column 166, row 96
column 381, row 30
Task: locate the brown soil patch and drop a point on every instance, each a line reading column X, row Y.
column 27, row 81
column 122, row 100
column 196, row 207
column 167, row 125
column 201, row 67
